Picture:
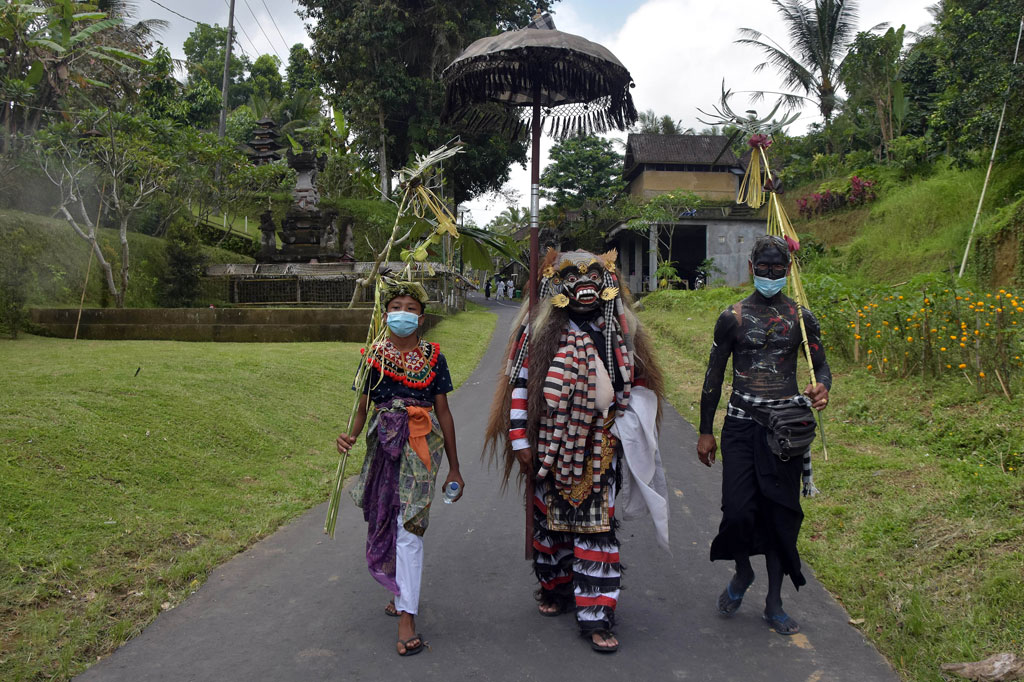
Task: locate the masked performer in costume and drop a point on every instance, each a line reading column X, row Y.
column 580, row 389
column 408, row 384
column 761, row 488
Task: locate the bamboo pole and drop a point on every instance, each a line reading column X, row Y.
column 992, row 158
column 779, row 225
column 88, row 268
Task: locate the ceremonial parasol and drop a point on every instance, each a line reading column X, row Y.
column 522, row 80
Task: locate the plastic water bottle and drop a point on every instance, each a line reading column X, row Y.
column 451, row 491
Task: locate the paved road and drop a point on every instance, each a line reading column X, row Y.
column 299, row 606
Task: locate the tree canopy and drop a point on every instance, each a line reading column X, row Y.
column 381, row 63
column 583, row 169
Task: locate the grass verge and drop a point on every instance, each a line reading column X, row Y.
column 919, row 532
column 129, row 470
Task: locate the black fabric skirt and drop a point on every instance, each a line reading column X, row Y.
column 760, row 499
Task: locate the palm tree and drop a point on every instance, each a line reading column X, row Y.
column 136, row 37
column 820, row 35
column 650, row 122
column 512, row 219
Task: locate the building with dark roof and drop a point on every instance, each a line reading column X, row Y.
column 721, row 230
column 702, row 164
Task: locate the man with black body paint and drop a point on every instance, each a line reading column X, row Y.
column 760, row 492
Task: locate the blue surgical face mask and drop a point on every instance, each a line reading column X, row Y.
column 403, row 323
column 769, row 287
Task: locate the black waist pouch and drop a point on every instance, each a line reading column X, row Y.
column 791, row 428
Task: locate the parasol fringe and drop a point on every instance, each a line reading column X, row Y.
column 586, row 83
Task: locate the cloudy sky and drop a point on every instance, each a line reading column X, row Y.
column 678, row 51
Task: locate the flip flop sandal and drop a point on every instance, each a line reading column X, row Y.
column 605, row 635
column 391, row 610
column 782, row 624
column 729, row 603
column 411, row 651
column 558, row 610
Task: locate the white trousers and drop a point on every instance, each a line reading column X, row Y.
column 408, row 569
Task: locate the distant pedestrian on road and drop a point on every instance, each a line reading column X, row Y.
column 409, row 425
column 762, row 468
column 510, row 288
column 501, row 290
column 487, row 289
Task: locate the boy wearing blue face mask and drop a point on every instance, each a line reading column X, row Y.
column 409, row 426
column 761, row 491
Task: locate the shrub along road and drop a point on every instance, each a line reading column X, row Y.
column 299, row 606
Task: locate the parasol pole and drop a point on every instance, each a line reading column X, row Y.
column 534, row 249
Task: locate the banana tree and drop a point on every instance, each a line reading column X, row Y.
column 48, row 49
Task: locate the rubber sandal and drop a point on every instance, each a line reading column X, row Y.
column 604, row 635
column 782, row 624
column 411, row 651
column 391, row 610
column 550, row 614
column 729, row 603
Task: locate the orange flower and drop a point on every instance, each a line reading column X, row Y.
column 962, row 365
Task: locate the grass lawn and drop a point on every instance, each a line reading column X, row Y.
column 128, row 470
column 919, row 532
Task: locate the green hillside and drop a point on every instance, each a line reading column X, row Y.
column 920, row 226
column 57, row 259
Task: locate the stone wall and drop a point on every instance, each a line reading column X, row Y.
column 729, row 243
column 210, row 324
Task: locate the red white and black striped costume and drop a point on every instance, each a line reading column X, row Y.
column 571, row 376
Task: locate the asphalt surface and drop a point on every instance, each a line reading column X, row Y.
column 300, row 606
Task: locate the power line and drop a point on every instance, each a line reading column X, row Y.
column 174, row 12
column 269, row 14
column 246, row 34
column 260, row 25
column 255, row 50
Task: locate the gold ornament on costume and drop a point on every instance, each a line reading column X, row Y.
column 583, row 267
column 549, row 272
column 609, row 293
column 560, row 300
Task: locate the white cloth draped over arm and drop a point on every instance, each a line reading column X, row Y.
column 644, row 489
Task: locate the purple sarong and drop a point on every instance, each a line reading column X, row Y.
column 380, row 495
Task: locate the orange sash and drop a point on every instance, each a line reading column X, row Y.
column 419, row 426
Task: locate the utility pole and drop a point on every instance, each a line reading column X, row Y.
column 227, row 64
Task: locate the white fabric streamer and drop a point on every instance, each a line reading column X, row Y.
column 644, row 489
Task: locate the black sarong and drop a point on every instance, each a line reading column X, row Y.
column 760, row 499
